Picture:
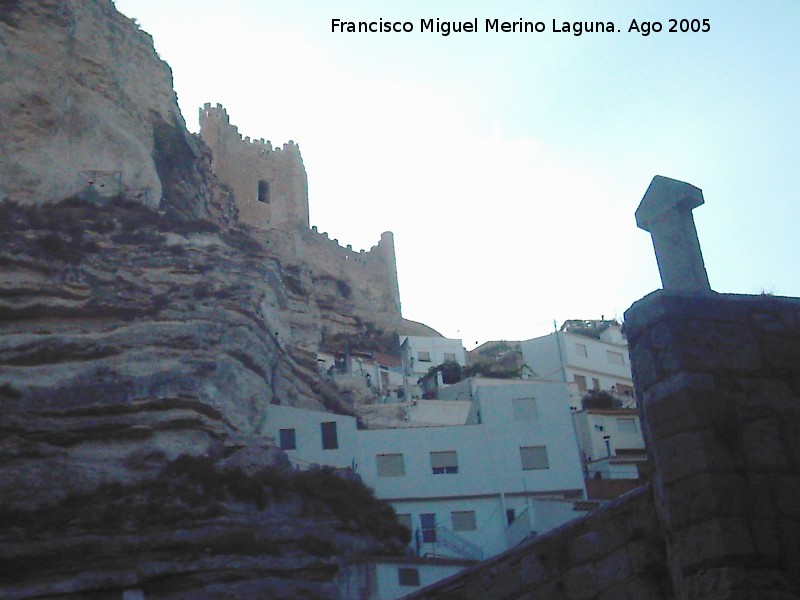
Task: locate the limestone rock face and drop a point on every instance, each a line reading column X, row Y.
column 131, row 343
column 140, row 347
column 89, row 106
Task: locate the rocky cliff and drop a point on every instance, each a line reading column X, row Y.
column 88, row 105
column 142, row 334
column 131, row 343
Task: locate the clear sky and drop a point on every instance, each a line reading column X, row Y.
column 509, row 165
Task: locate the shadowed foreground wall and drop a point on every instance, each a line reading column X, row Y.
column 614, row 552
column 718, row 377
column 718, row 381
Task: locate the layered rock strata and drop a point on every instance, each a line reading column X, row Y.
column 130, row 340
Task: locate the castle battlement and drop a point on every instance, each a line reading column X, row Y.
column 271, row 191
column 346, row 253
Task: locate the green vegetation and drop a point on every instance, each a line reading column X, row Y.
column 600, row 399
column 453, row 372
column 192, row 489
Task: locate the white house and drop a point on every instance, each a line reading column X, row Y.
column 376, row 374
column 604, row 432
column 457, row 487
column 311, row 437
column 613, row 450
column 587, row 363
column 420, row 353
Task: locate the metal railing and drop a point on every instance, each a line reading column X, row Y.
column 446, row 538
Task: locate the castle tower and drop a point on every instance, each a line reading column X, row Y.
column 270, row 184
column 387, row 255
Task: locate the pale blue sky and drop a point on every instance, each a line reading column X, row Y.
column 509, row 165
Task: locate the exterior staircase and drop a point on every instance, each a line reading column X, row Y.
column 463, row 548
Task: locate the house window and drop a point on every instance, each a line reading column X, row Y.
column 525, row 409
column 449, row 357
column 511, row 515
column 580, row 350
column 423, row 356
column 329, row 439
column 444, row 462
column 581, row 381
column 407, row 576
column 534, row 457
column 390, row 465
column 428, row 522
column 263, row 191
column 615, row 358
column 595, row 384
column 627, row 426
column 464, row 520
column 288, row 441
column 404, row 520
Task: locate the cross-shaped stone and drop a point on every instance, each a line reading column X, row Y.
column 666, row 212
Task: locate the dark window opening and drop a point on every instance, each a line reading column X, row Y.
column 408, row 576
column 510, row 515
column 329, row 438
column 263, row 191
column 445, row 470
column 288, row 440
column 428, row 522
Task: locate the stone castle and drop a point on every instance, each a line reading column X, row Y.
column 270, row 187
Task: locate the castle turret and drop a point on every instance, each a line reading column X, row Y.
column 386, row 249
column 270, row 184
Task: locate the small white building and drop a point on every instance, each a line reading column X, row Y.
column 604, row 432
column 465, row 491
column 311, row 437
column 420, row 353
column 586, row 363
column 374, row 374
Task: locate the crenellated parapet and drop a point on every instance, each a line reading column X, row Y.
column 372, row 270
column 271, row 191
column 269, row 183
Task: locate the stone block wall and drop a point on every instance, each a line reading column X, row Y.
column 242, row 163
column 612, row 553
column 718, row 381
column 245, row 165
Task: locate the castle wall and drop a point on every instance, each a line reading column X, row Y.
column 270, row 184
column 372, row 272
column 242, row 164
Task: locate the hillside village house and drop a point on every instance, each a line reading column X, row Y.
column 419, row 354
column 589, row 363
column 488, row 462
column 592, row 356
column 468, row 491
column 375, row 372
column 607, row 432
column 612, row 450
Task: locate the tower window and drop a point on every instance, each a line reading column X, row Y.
column 263, row 191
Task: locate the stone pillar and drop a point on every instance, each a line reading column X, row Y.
column 718, row 383
column 666, row 212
